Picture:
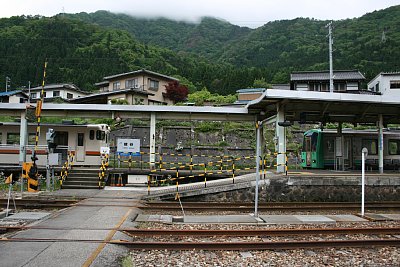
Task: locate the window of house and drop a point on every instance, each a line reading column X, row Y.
column 44, row 94
column 69, row 95
column 12, row 138
column 116, row 85
column 139, row 101
column 325, row 87
column 56, row 93
column 314, row 87
column 340, row 87
column 33, row 95
column 132, row 83
column 371, row 145
column 394, row 147
column 153, row 84
column 31, row 138
column 377, row 87
column 1, row 138
column 395, row 84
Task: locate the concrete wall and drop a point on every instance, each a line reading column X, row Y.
column 305, row 189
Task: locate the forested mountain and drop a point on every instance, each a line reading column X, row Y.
column 82, row 48
column 83, row 53
column 206, row 38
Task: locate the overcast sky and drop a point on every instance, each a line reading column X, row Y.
column 251, row 13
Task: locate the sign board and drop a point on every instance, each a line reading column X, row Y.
column 128, row 146
column 104, row 150
column 137, row 179
column 54, row 159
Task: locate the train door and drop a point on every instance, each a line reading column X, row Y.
column 80, row 148
column 348, row 159
column 308, row 150
column 61, row 141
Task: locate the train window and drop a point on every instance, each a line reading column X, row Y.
column 81, row 138
column 61, row 138
column 100, row 135
column 91, row 135
column 394, row 147
column 12, row 138
column 371, row 145
column 314, row 141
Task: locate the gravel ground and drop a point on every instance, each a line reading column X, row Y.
column 386, row 256
column 382, row 256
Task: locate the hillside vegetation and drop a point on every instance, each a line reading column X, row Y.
column 82, row 48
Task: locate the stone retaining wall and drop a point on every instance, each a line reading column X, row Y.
column 303, row 189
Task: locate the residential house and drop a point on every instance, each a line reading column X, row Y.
column 63, row 92
column 16, row 96
column 385, row 83
column 136, row 87
column 344, row 81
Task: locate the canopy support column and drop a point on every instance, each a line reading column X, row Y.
column 380, row 143
column 281, row 139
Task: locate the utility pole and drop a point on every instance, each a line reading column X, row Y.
column 329, row 26
column 8, row 81
column 29, row 92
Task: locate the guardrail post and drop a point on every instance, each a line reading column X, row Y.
column 286, row 164
column 205, row 175
column 148, row 185
column 191, row 164
column 130, row 161
column 233, row 170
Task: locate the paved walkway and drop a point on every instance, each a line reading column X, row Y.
column 263, row 219
column 114, row 212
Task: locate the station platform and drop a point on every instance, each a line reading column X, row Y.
column 265, row 219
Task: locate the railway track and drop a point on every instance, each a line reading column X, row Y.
column 39, row 203
column 208, row 206
column 217, row 233
column 224, row 245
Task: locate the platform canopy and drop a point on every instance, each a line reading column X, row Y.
column 315, row 107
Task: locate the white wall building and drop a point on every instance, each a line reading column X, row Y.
column 386, row 83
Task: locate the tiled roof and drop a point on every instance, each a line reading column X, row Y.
column 139, row 72
column 59, row 86
column 9, row 93
column 123, row 91
column 324, row 75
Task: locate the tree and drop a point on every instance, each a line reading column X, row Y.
column 176, row 92
column 261, row 83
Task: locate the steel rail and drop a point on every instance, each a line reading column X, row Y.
column 259, row 245
column 225, row 245
column 264, row 232
column 271, row 208
column 273, row 204
column 257, row 232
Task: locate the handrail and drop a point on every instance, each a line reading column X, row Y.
column 102, row 171
column 67, row 167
